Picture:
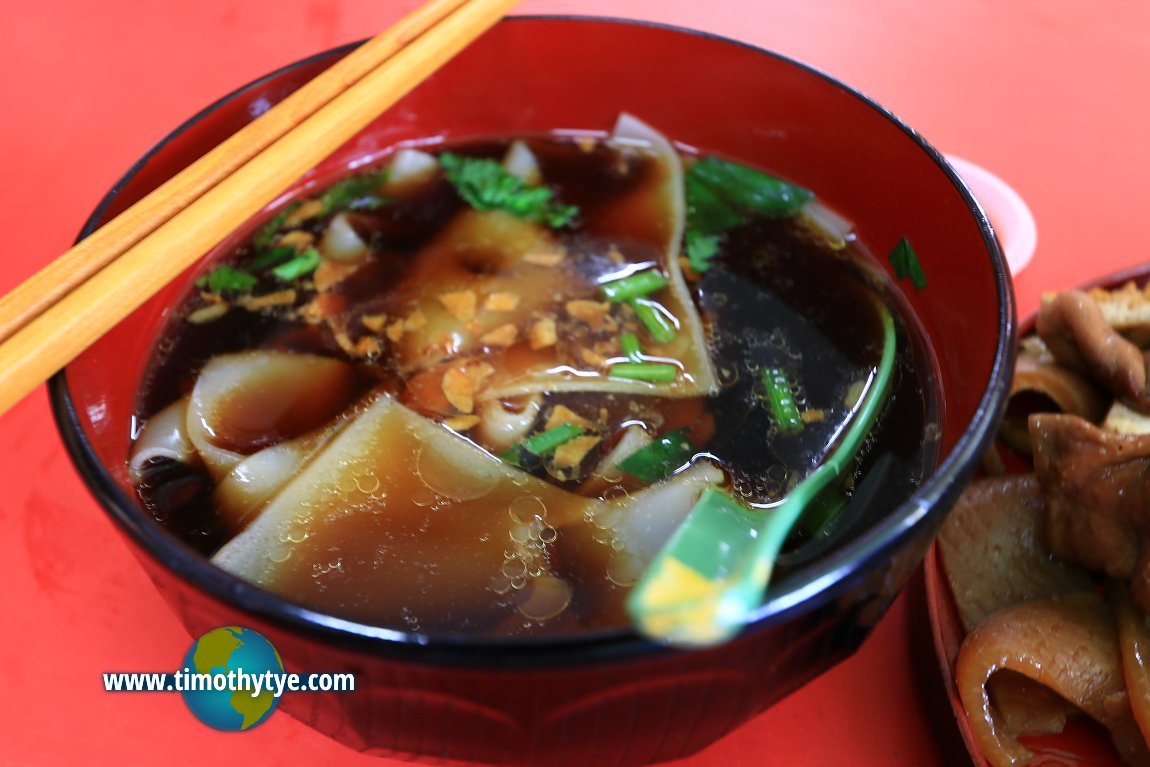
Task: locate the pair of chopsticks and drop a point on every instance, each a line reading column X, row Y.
column 64, row 308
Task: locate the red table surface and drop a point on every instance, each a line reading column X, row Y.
column 1050, row 94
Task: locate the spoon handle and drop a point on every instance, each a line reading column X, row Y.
column 710, row 578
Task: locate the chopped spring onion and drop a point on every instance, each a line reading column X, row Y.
column 781, row 399
column 634, row 285
column 659, row 458
column 652, row 372
column 659, row 322
column 541, row 444
column 547, row 441
column 303, row 264
column 228, row 279
column 630, row 344
column 272, row 257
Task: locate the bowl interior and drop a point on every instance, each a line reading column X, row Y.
column 706, row 93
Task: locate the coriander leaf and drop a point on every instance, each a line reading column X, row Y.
column 721, row 195
column 355, row 192
column 701, row 248
column 229, row 279
column 268, row 231
column 486, row 185
column 303, row 264
column 748, row 190
column 706, row 210
column 906, row 264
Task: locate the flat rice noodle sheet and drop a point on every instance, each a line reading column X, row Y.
column 240, row 495
column 399, row 522
column 528, row 300
column 244, row 402
column 164, row 437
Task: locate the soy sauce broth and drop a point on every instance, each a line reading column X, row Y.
column 777, row 295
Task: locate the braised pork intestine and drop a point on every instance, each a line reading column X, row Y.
column 1097, row 487
column 1022, row 552
column 1040, row 384
column 994, row 553
column 1066, row 643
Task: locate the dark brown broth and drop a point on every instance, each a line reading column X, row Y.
column 775, row 297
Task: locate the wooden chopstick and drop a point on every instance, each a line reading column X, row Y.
column 86, row 258
column 61, row 310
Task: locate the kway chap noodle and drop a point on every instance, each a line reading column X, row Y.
column 473, row 388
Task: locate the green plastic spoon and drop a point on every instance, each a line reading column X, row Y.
column 710, row 577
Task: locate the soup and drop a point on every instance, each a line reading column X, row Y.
column 474, row 389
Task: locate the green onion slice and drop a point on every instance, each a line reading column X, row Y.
column 228, row 279
column 659, row 322
column 630, row 344
column 781, row 400
column 355, row 193
column 547, row 441
column 634, row 285
column 652, row 372
column 303, row 264
column 272, row 257
column 660, row 458
column 701, row 248
column 541, row 444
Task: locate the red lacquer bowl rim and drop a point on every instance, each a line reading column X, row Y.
column 831, row 578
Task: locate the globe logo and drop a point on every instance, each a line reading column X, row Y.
column 223, row 702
